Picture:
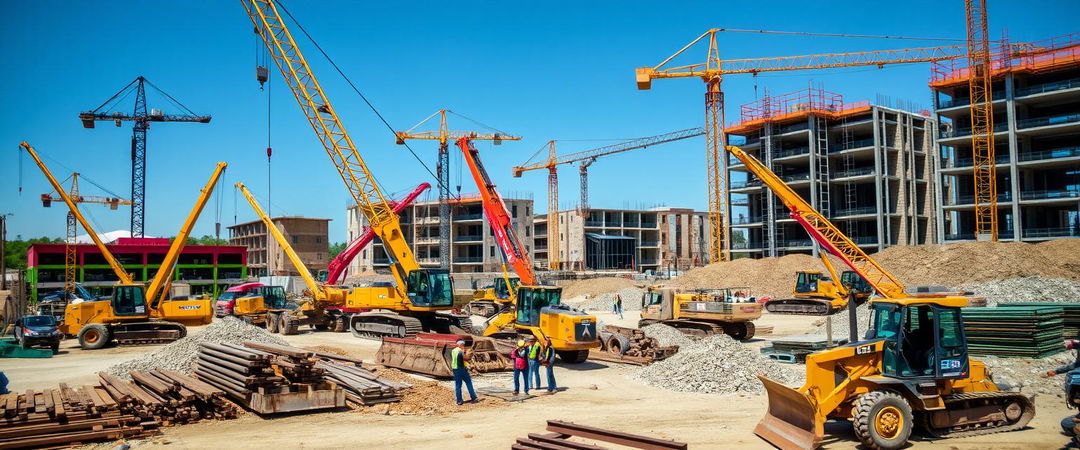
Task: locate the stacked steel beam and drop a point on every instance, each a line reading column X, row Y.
column 361, row 386
column 1070, row 315
column 1014, row 331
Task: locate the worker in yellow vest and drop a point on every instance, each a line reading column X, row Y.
column 458, row 359
column 534, row 362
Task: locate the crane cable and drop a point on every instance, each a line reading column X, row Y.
column 357, row 90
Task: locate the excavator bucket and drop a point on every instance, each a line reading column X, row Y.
column 429, row 354
column 791, row 421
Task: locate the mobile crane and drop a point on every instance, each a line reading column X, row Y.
column 913, row 362
column 530, row 307
column 412, row 303
column 136, row 312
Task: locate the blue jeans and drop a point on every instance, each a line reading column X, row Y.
column 524, row 375
column 462, row 375
column 534, row 373
column 551, row 377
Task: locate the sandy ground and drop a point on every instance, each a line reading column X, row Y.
column 598, row 394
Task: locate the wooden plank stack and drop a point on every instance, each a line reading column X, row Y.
column 268, row 378
column 361, row 386
column 66, row 416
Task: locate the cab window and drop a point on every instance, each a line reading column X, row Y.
column 806, row 282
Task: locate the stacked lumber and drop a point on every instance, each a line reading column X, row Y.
column 361, row 386
column 66, row 416
column 267, row 378
column 168, row 397
column 1014, row 331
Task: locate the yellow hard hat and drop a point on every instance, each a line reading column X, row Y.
column 521, row 342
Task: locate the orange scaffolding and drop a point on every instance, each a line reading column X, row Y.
column 791, row 106
column 1039, row 56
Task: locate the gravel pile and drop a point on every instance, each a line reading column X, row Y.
column 715, row 365
column 1023, row 374
column 181, row 355
column 667, row 335
column 840, row 326
column 1026, row 289
column 631, row 300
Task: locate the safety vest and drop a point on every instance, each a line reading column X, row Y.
column 457, row 358
column 534, row 351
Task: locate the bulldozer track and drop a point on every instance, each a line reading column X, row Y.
column 412, row 325
column 981, row 429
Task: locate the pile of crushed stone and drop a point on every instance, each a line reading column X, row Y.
column 716, row 364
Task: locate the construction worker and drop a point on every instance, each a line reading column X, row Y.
column 1070, row 423
column 520, row 355
column 547, row 359
column 458, row 364
column 534, row 361
column 618, row 305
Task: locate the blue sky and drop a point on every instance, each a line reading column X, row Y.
column 543, row 70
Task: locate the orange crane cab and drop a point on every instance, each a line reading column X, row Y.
column 136, row 313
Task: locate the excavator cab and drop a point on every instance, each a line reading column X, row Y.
column 856, row 283
column 921, row 340
column 430, row 288
column 532, row 299
column 502, row 289
column 807, row 282
column 129, row 301
column 273, row 297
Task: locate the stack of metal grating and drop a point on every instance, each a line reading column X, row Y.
column 1071, row 315
column 1014, row 331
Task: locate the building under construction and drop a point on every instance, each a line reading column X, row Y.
column 307, row 236
column 1036, row 111
column 867, row 167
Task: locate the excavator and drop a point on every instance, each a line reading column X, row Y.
column 530, row 307
column 414, row 302
column 818, row 294
column 267, row 306
column 912, row 365
column 699, row 313
column 136, row 313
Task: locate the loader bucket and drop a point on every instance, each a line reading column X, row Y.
column 791, row 421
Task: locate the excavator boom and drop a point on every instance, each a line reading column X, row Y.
column 513, row 252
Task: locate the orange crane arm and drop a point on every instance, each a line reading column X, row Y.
column 123, row 275
column 513, row 252
column 827, row 235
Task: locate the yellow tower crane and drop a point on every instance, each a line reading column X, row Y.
column 442, row 169
column 712, row 72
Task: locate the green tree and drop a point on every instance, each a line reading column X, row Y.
column 15, row 251
column 206, row 239
column 336, row 249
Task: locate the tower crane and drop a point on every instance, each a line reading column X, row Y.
column 141, row 119
column 410, row 305
column 712, row 72
column 585, row 159
column 442, row 169
column 982, row 121
column 69, row 247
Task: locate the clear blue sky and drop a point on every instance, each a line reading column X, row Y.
column 543, row 70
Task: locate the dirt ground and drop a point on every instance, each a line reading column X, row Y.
column 598, row 394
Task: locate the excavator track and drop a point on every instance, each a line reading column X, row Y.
column 1013, row 412
column 799, row 307
column 150, row 332
column 377, row 325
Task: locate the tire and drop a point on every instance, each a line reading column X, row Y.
column 882, row 420
column 93, row 336
column 741, row 331
column 271, row 322
column 289, row 325
column 340, row 324
column 573, row 356
column 55, row 348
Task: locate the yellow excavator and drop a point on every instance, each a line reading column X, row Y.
column 700, row 313
column 417, row 299
column 136, row 313
column 529, row 306
column 822, row 294
column 911, row 367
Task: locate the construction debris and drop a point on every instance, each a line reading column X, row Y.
column 181, row 354
column 268, row 378
column 716, row 364
column 630, row 345
column 561, row 433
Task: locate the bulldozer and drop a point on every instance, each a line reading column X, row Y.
column 136, row 313
column 699, row 313
column 911, row 368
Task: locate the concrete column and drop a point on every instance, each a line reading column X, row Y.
column 878, row 123
column 1014, row 155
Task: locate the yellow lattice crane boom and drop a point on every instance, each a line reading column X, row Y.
column 982, row 122
column 442, row 169
column 712, row 72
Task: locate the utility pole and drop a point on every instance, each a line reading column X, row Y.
column 3, row 250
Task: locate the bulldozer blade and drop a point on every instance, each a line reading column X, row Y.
column 791, row 420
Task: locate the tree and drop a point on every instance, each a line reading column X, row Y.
column 15, row 251
column 206, row 239
column 336, row 249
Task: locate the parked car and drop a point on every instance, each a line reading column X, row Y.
column 38, row 331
